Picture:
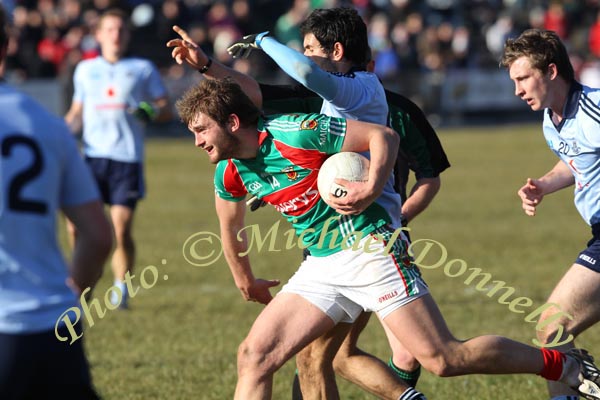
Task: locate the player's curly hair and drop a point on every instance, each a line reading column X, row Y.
column 217, row 98
column 542, row 48
column 341, row 24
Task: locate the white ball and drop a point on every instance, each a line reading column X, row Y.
column 350, row 166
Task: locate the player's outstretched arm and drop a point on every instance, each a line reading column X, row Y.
column 534, row 190
column 299, row 67
column 185, row 50
column 235, row 243
column 93, row 244
column 382, row 143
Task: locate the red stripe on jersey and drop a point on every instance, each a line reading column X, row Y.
column 305, row 158
column 232, row 181
column 296, row 199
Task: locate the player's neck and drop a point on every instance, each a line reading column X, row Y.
column 561, row 97
column 249, row 144
column 111, row 57
column 344, row 66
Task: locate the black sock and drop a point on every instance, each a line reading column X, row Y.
column 296, row 392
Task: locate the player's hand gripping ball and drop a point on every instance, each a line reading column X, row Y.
column 350, row 166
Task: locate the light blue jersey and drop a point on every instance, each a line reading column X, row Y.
column 41, row 171
column 109, row 93
column 357, row 95
column 576, row 140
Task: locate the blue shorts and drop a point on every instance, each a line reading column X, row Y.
column 590, row 257
column 39, row 366
column 120, row 183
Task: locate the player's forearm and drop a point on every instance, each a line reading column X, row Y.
column 74, row 121
column 557, row 178
column 238, row 265
column 248, row 84
column 420, row 197
column 300, row 68
column 383, row 149
column 93, row 244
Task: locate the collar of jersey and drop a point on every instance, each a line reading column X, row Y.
column 572, row 103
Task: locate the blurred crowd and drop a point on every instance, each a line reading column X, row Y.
column 51, row 36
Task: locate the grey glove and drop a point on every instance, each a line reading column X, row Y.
column 243, row 47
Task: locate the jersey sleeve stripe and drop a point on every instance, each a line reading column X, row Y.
column 232, row 181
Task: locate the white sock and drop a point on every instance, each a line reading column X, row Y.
column 411, row 394
column 121, row 285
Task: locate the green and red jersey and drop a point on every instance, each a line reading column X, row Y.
column 292, row 148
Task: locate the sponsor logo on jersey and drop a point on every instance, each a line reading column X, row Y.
column 303, row 200
column 575, row 148
column 290, row 173
column 254, row 187
column 308, row 125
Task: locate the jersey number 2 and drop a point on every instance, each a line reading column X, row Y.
column 16, row 201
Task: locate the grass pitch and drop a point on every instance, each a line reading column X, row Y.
column 180, row 336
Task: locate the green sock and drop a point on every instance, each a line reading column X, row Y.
column 410, row 377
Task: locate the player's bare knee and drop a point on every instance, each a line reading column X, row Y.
column 124, row 238
column 443, row 363
column 438, row 366
column 340, row 363
column 555, row 327
column 251, row 359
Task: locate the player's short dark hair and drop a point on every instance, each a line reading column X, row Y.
column 217, row 98
column 543, row 48
column 115, row 12
column 341, row 24
column 3, row 31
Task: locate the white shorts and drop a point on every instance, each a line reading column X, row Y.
column 351, row 281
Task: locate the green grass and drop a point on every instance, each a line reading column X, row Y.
column 179, row 339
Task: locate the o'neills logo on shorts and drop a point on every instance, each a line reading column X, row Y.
column 588, row 259
column 388, row 296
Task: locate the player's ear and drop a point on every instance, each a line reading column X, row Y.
column 552, row 71
column 338, row 51
column 233, row 122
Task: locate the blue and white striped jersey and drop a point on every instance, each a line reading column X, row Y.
column 576, row 140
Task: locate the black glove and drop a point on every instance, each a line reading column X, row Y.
column 145, row 112
column 242, row 48
column 255, row 203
